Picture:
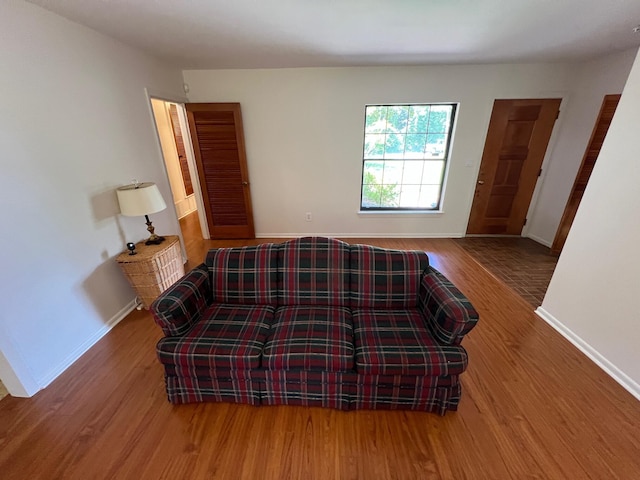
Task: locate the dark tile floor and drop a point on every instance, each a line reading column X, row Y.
column 523, row 264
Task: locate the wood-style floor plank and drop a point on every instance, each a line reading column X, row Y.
column 532, row 407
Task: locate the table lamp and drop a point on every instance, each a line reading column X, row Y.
column 139, row 199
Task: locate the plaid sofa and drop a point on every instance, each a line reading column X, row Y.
column 317, row 322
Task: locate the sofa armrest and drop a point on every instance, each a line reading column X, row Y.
column 450, row 315
column 181, row 306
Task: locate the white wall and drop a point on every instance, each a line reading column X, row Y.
column 304, row 134
column 594, row 292
column 593, row 80
column 75, row 123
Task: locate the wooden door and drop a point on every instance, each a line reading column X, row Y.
column 182, row 154
column 519, row 132
column 607, row 110
column 218, row 143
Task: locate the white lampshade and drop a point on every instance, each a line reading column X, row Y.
column 140, row 199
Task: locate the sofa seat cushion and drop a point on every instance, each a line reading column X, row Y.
column 310, row 338
column 227, row 337
column 397, row 342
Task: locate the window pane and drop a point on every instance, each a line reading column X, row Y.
column 376, row 119
column 397, row 117
column 429, row 196
column 439, row 118
column 371, row 195
column 410, row 196
column 392, row 173
column 414, row 145
column 373, row 172
column 433, row 172
column 394, row 147
column 412, row 172
column 374, row 145
column 389, row 196
column 435, row 145
column 418, row 119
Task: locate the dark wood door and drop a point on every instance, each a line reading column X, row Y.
column 182, row 154
column 607, row 110
column 519, row 132
column 218, row 142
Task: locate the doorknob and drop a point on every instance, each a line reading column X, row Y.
column 245, row 183
column 480, row 182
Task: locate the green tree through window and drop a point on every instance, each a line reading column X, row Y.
column 406, row 149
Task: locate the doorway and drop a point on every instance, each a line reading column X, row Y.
column 516, row 143
column 177, row 155
column 607, row 111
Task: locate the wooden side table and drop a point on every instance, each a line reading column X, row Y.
column 153, row 269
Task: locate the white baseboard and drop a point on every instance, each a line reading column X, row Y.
column 614, row 372
column 360, row 235
column 90, row 342
column 539, row 240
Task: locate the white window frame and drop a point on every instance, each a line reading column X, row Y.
column 403, row 158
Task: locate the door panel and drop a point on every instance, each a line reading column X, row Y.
column 607, row 110
column 516, row 143
column 182, row 154
column 218, row 141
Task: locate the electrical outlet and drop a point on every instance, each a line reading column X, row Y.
column 307, row 216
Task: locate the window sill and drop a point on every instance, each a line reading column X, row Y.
column 392, row 213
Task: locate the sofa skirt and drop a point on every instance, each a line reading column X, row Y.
column 403, row 392
column 235, row 387
column 339, row 390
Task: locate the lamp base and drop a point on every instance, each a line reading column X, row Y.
column 154, row 240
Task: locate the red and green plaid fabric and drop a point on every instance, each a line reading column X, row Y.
column 177, row 309
column 344, row 391
column 357, row 327
column 449, row 314
column 396, row 342
column 385, row 279
column 313, row 271
column 374, row 392
column 311, row 337
column 227, row 336
column 310, row 389
column 244, row 275
column 235, row 387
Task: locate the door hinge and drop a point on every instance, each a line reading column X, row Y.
column 525, row 222
column 540, row 172
column 558, row 115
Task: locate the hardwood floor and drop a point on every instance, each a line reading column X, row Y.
column 532, row 407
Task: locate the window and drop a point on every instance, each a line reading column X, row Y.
column 406, row 148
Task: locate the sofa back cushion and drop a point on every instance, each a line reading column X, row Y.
column 385, row 279
column 244, row 275
column 313, row 271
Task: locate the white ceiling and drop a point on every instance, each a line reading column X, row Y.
column 210, row 34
